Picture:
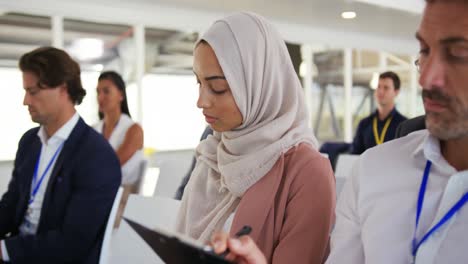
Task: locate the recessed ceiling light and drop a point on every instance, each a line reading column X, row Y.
column 86, row 48
column 348, row 15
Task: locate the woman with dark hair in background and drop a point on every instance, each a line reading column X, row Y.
column 124, row 135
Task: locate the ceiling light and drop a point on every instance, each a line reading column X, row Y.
column 374, row 82
column 86, row 48
column 97, row 67
column 412, row 6
column 348, row 15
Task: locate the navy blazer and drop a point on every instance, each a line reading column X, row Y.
column 77, row 202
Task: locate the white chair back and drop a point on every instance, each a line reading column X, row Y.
column 141, row 176
column 106, row 242
column 6, row 169
column 173, row 166
column 127, row 245
column 152, row 211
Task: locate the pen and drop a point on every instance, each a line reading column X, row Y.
column 245, row 230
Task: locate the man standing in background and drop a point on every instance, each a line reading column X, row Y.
column 380, row 126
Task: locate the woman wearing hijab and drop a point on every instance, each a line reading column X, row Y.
column 124, row 135
column 261, row 166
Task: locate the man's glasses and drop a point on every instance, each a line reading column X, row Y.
column 417, row 63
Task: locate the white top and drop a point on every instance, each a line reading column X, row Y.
column 49, row 148
column 376, row 211
column 132, row 168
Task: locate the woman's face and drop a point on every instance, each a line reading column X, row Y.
column 215, row 96
column 109, row 96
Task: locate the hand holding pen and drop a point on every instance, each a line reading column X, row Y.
column 240, row 249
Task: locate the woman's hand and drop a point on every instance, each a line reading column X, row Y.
column 243, row 250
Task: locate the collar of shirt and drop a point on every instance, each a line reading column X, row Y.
column 62, row 134
column 430, row 149
column 392, row 113
column 454, row 189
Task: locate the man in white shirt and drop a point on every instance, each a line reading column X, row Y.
column 406, row 200
column 65, row 175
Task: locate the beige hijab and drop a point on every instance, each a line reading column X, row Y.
column 258, row 69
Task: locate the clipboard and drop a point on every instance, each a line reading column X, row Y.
column 176, row 249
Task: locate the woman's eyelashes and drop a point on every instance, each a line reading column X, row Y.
column 219, row 92
column 214, row 90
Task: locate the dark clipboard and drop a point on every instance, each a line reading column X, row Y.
column 174, row 249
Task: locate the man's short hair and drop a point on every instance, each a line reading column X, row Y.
column 393, row 76
column 54, row 67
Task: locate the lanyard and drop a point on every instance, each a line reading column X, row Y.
column 380, row 139
column 442, row 221
column 37, row 184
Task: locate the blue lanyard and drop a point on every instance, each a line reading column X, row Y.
column 442, row 221
column 37, row 184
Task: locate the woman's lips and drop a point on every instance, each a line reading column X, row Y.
column 210, row 119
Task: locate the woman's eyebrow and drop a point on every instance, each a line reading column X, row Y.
column 215, row 77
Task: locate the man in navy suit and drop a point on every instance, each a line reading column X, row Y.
column 65, row 175
column 380, row 126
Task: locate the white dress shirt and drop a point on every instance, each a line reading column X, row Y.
column 376, row 212
column 49, row 147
